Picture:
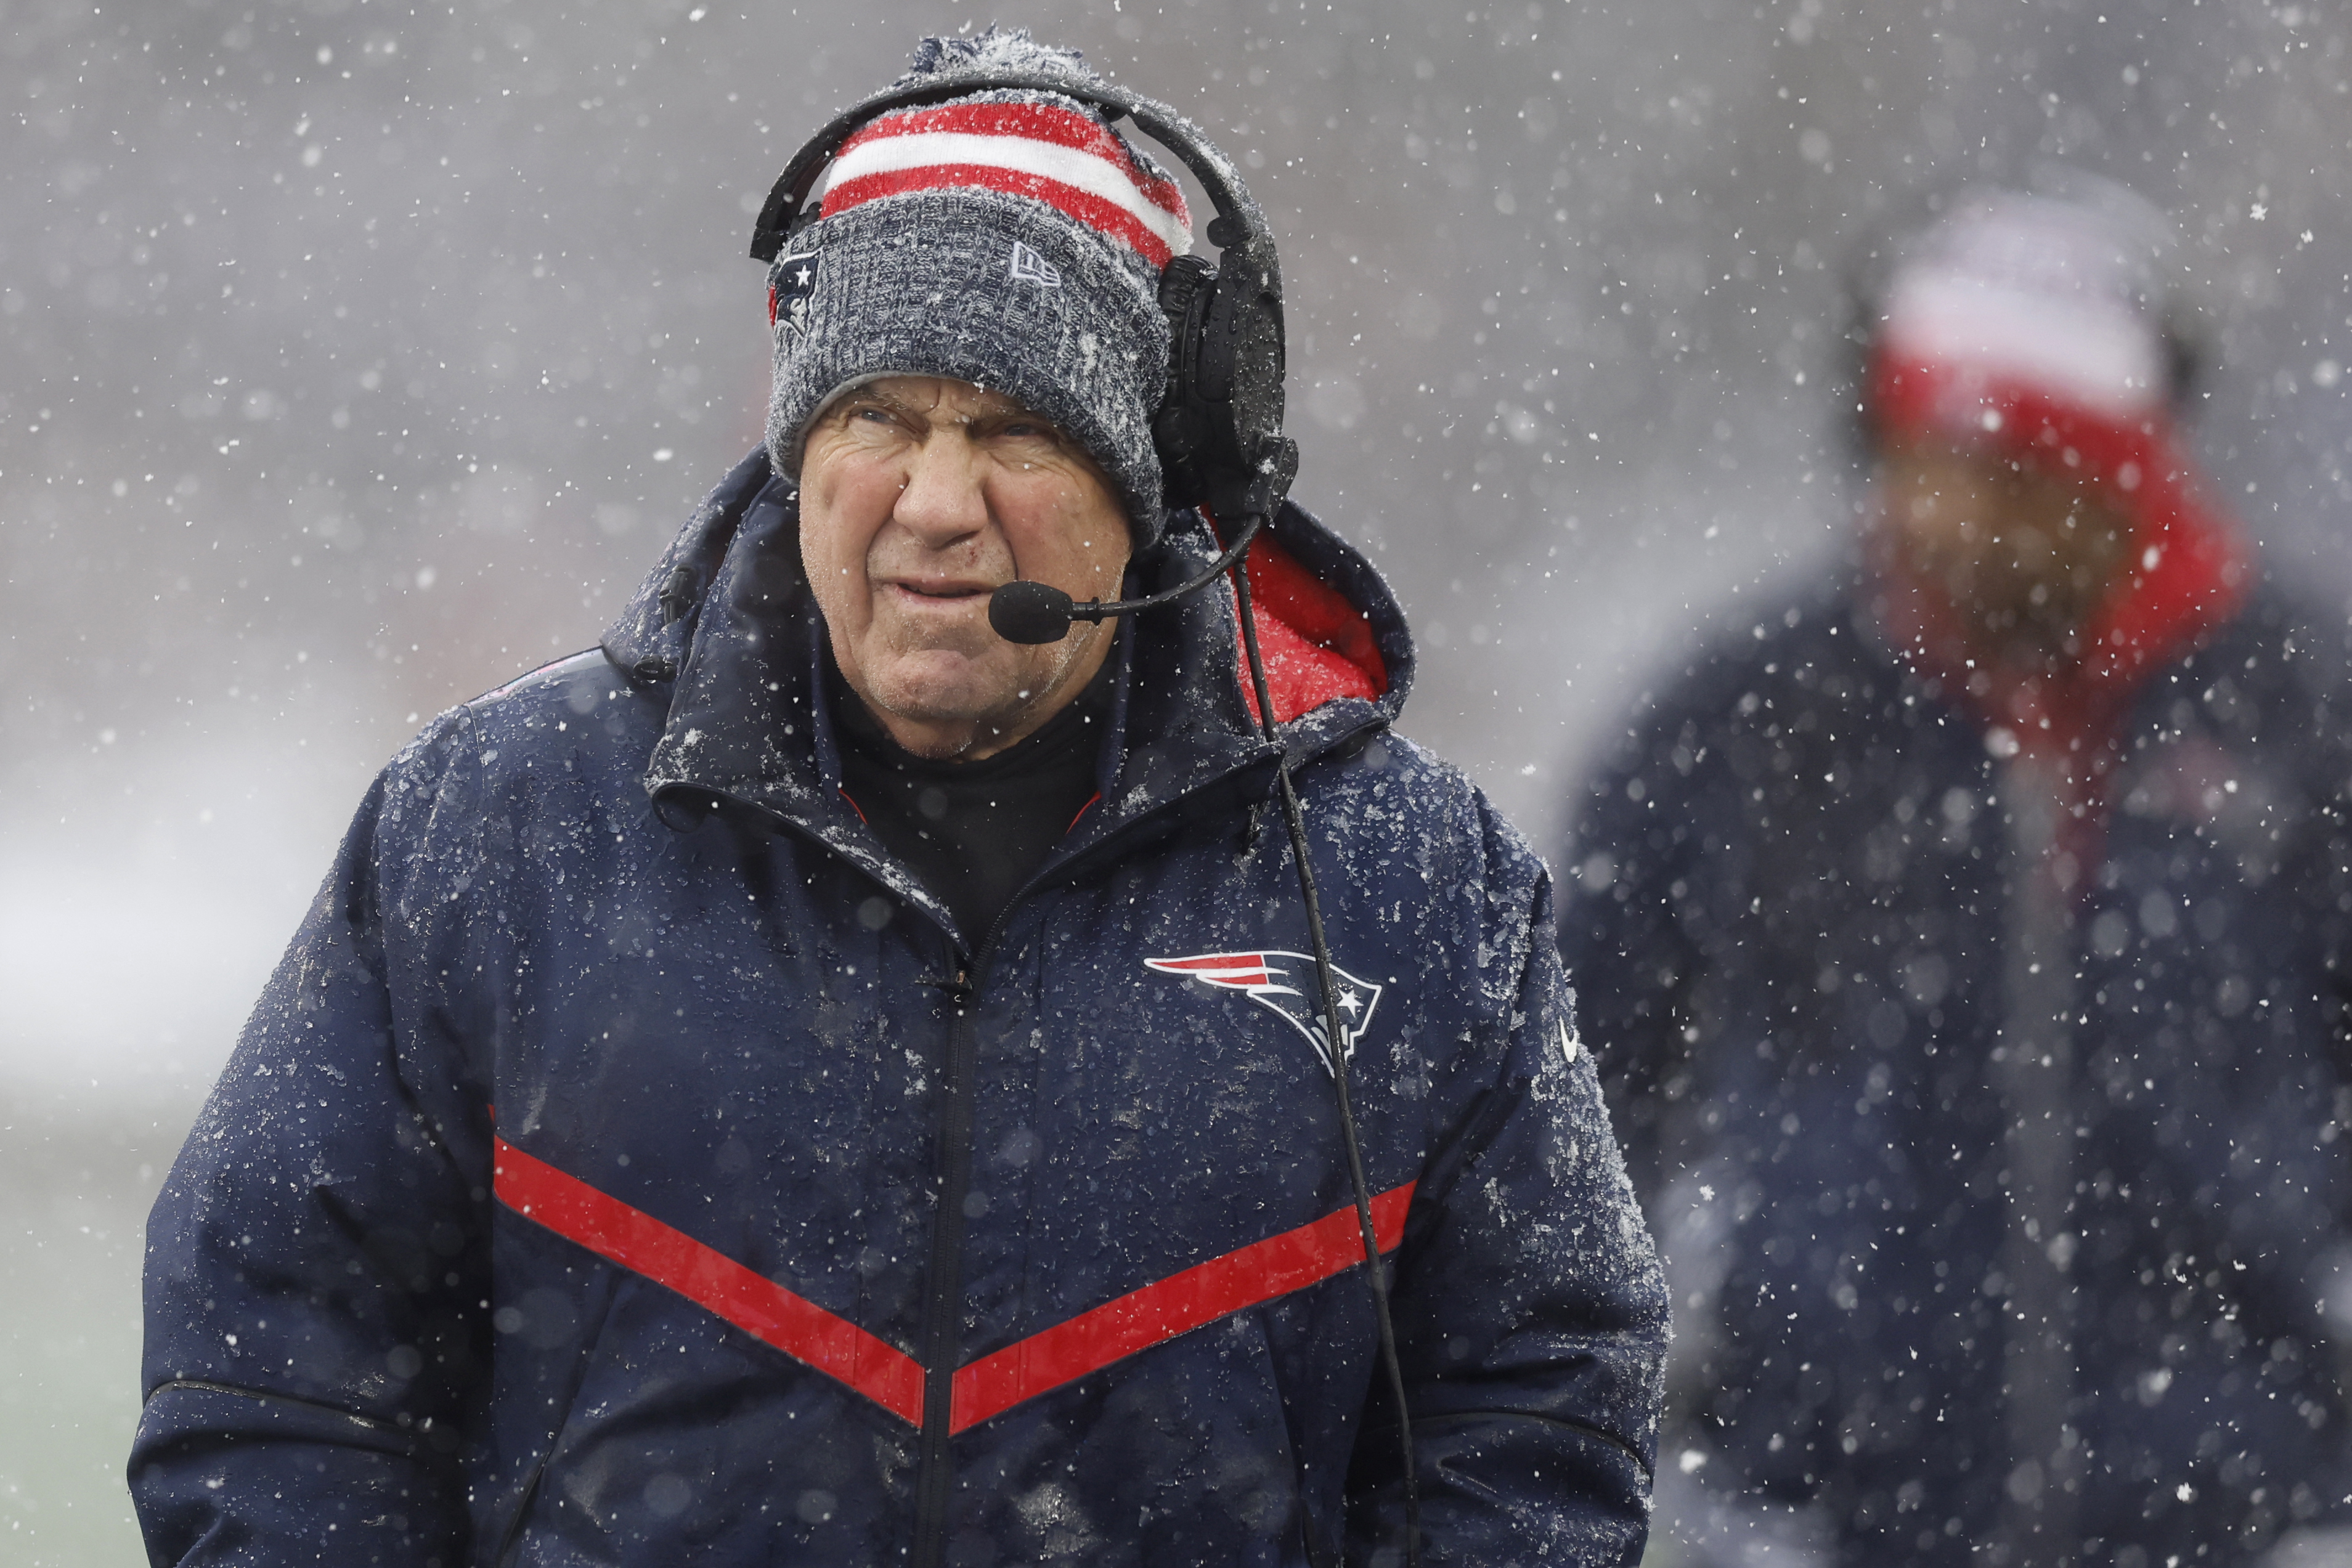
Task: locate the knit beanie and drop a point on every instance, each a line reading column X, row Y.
column 1010, row 239
column 2034, row 325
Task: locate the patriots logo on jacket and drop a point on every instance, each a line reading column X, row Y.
column 1284, row 983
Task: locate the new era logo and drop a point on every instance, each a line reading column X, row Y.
column 1031, row 267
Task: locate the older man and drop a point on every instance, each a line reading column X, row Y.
column 817, row 1083
column 1970, row 932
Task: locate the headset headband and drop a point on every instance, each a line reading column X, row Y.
column 1239, row 228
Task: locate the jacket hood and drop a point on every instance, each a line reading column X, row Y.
column 727, row 620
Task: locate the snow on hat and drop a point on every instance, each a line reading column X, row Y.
column 1009, row 238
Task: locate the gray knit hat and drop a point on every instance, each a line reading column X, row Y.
column 1011, row 239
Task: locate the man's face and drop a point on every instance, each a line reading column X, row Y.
column 920, row 496
column 2024, row 553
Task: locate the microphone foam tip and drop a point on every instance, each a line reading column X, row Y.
column 1030, row 613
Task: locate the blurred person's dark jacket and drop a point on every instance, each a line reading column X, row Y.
column 1802, row 929
column 1784, row 917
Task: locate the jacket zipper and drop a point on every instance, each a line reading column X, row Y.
column 943, row 1309
column 943, row 1293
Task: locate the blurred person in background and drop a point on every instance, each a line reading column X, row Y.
column 817, row 1082
column 1964, row 940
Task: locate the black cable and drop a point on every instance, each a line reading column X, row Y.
column 1375, row 1276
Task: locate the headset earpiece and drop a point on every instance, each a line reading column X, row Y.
column 1219, row 429
column 1180, row 429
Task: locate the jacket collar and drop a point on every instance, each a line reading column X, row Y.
column 726, row 621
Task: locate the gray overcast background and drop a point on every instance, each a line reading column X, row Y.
column 360, row 355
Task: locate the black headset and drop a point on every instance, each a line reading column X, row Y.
column 1218, row 432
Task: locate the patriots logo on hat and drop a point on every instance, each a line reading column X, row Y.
column 1284, row 983
column 790, row 283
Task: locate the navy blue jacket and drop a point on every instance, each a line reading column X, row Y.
column 630, row 1164
column 1789, row 899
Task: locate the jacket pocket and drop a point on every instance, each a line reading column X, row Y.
column 596, row 1312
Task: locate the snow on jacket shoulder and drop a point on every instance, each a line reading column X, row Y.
column 630, row 1164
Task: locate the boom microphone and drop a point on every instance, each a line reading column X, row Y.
column 1040, row 613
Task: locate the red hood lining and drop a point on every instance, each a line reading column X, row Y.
column 1317, row 646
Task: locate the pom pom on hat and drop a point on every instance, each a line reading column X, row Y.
column 994, row 49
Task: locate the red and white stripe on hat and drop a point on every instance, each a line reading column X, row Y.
column 1990, row 337
column 1057, row 155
